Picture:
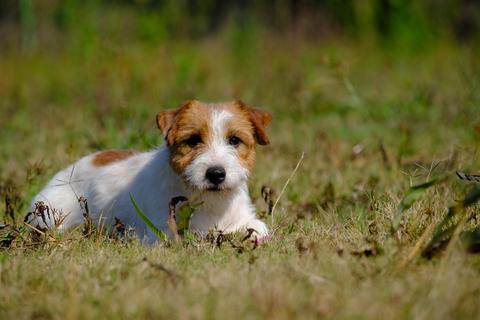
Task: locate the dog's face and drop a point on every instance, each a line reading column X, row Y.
column 212, row 146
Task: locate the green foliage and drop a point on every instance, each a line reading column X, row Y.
column 472, row 197
column 27, row 24
column 450, row 223
column 185, row 212
column 412, row 195
column 161, row 235
column 396, row 25
column 471, row 240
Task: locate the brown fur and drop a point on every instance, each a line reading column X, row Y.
column 260, row 120
column 193, row 117
column 106, row 157
column 242, row 127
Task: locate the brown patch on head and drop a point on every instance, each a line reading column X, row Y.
column 166, row 120
column 106, row 157
column 189, row 134
column 241, row 126
column 260, row 119
column 188, row 131
column 249, row 124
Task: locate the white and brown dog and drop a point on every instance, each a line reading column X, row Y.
column 209, row 152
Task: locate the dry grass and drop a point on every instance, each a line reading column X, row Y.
column 370, row 123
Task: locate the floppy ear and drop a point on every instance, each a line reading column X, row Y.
column 165, row 121
column 260, row 120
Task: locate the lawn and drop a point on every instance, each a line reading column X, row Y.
column 371, row 121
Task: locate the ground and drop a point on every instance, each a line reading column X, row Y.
column 371, row 122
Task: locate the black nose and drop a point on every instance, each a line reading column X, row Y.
column 215, row 174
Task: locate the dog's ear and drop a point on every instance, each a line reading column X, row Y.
column 260, row 120
column 165, row 121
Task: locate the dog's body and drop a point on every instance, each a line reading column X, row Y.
column 208, row 156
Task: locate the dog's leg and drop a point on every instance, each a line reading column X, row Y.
column 260, row 233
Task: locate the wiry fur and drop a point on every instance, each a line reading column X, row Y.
column 154, row 177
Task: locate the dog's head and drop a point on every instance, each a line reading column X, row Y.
column 212, row 145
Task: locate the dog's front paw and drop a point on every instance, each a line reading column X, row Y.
column 258, row 231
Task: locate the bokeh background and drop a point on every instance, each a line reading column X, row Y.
column 53, row 24
column 397, row 76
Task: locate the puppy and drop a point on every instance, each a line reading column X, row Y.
column 208, row 154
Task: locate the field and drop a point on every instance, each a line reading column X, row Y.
column 371, row 122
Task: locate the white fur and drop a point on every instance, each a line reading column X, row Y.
column 150, row 179
column 218, row 153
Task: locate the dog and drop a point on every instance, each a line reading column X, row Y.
column 208, row 154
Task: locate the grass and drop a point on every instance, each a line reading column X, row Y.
column 371, row 123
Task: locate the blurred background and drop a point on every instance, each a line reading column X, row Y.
column 81, row 75
column 85, row 25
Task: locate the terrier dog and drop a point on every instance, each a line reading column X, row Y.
column 209, row 152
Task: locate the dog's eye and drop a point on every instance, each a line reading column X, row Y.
column 234, row 141
column 193, row 140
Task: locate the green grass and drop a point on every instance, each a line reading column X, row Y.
column 372, row 123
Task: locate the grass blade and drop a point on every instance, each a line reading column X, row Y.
column 178, row 222
column 160, row 234
column 413, row 194
column 442, row 234
column 447, row 227
column 471, row 240
column 184, row 214
column 472, row 197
